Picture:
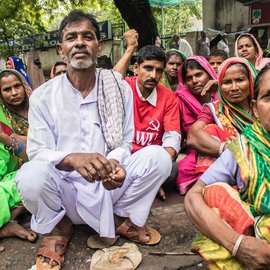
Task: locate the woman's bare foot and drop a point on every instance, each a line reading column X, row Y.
column 162, row 194
column 13, row 229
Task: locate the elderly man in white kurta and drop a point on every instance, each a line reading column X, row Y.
column 79, row 143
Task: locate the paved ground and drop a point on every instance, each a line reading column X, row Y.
column 172, row 253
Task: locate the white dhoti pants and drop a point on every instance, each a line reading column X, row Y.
column 49, row 196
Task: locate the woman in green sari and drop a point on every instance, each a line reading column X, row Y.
column 14, row 93
column 235, row 223
column 174, row 59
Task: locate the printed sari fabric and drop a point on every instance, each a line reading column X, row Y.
column 246, row 211
column 190, row 108
column 9, row 195
column 230, row 119
column 252, row 153
column 17, row 64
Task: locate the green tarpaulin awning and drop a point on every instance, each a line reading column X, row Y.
column 165, row 3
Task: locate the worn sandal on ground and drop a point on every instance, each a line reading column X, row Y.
column 97, row 242
column 126, row 257
column 143, row 235
column 48, row 250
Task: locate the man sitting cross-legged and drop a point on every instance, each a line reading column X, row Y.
column 81, row 170
column 156, row 110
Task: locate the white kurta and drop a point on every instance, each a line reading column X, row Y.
column 63, row 122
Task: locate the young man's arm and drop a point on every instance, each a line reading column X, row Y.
column 131, row 39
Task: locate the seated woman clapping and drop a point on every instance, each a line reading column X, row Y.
column 14, row 92
column 234, row 222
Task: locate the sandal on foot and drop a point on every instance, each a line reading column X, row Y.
column 143, row 235
column 97, row 242
column 117, row 258
column 48, row 250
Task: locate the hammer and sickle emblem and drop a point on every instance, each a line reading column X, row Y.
column 154, row 125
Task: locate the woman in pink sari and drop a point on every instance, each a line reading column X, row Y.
column 197, row 86
column 247, row 46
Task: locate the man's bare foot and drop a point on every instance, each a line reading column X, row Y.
column 13, row 229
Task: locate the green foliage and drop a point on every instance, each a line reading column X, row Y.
column 19, row 18
column 177, row 18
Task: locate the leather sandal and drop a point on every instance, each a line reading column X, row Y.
column 48, row 250
column 143, row 235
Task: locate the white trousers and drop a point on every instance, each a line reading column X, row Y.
column 49, row 196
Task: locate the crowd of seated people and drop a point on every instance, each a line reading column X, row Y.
column 96, row 133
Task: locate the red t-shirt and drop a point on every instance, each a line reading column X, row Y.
column 152, row 122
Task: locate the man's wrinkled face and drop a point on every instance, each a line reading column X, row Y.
column 79, row 46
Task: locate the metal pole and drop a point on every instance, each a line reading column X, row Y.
column 162, row 22
column 122, row 49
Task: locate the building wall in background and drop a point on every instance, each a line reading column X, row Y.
column 225, row 15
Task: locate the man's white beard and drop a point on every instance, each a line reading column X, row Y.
column 82, row 64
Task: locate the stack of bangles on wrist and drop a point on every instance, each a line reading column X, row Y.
column 222, row 147
column 16, row 147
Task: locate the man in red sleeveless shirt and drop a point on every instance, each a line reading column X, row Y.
column 156, row 110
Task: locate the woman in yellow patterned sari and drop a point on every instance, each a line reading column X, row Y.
column 235, row 223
